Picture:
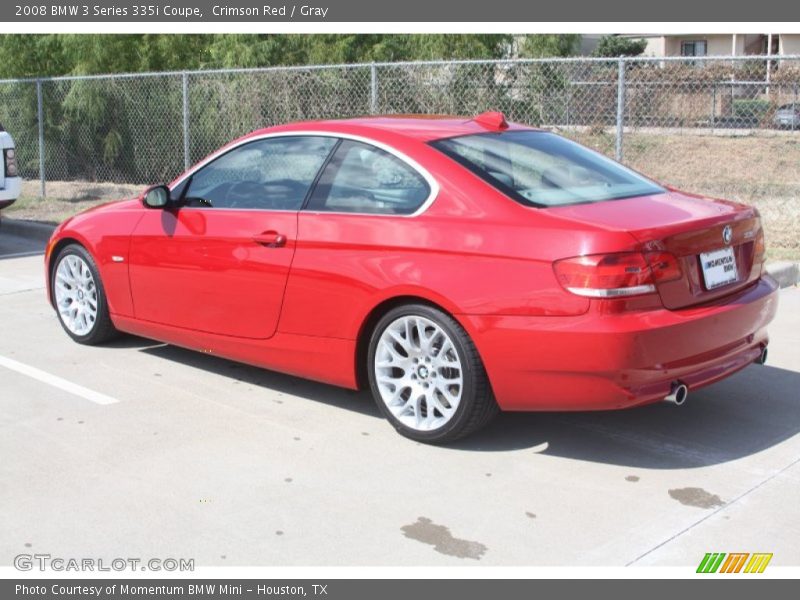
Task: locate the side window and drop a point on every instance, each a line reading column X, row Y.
column 270, row 174
column 364, row 179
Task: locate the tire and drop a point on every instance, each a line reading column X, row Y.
column 77, row 290
column 427, row 377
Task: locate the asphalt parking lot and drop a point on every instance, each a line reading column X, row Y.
column 141, row 449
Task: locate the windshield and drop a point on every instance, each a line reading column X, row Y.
column 543, row 169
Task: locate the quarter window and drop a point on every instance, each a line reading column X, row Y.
column 271, row 174
column 364, row 179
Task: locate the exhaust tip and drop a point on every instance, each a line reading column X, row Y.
column 678, row 394
column 763, row 356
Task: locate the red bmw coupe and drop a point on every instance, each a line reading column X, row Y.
column 454, row 266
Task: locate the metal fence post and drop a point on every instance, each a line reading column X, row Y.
column 186, row 157
column 373, row 89
column 620, row 107
column 794, row 107
column 713, row 105
column 40, row 119
column 566, row 91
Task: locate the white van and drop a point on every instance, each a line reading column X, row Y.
column 10, row 181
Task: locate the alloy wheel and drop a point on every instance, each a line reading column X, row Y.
column 76, row 295
column 418, row 373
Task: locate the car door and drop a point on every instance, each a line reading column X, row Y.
column 218, row 263
column 355, row 235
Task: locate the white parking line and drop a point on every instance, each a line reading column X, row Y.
column 55, row 381
column 22, row 254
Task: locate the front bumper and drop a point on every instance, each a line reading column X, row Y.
column 607, row 361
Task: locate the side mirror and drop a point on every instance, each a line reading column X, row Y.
column 157, row 196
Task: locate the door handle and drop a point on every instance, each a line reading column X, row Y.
column 270, row 239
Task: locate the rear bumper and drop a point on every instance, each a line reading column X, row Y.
column 10, row 191
column 607, row 361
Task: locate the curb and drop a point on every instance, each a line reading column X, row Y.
column 29, row 229
column 784, row 272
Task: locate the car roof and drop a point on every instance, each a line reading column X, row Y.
column 423, row 128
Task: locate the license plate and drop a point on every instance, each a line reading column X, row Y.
column 719, row 267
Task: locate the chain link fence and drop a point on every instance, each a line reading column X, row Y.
column 147, row 127
column 686, row 121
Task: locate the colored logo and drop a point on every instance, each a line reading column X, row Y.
column 734, row 562
column 727, row 234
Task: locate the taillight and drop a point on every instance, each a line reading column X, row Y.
column 615, row 275
column 759, row 251
column 10, row 158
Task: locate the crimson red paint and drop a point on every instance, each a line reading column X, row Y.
column 511, row 274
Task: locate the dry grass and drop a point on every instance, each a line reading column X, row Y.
column 65, row 198
column 757, row 170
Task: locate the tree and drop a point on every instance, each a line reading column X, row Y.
column 95, row 127
column 456, row 47
column 614, row 46
column 550, row 45
column 72, row 54
column 31, row 56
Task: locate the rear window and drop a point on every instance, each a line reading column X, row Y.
column 542, row 169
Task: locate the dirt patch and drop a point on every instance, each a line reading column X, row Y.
column 65, row 199
column 82, row 191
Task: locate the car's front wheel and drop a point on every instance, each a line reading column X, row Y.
column 426, row 375
column 79, row 298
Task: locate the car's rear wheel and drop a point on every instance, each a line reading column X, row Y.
column 426, row 375
column 79, row 298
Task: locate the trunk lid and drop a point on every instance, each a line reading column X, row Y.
column 687, row 226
